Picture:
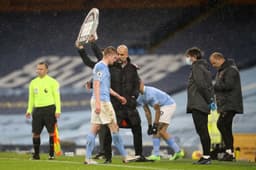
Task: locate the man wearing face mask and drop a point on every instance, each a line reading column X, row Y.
column 229, row 98
column 200, row 99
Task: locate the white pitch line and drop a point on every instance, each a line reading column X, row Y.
column 111, row 165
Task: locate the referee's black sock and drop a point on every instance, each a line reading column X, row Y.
column 51, row 143
column 36, row 144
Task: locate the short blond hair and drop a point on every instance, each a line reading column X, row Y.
column 109, row 50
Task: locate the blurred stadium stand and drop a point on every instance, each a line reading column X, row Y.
column 157, row 33
column 16, row 130
column 210, row 25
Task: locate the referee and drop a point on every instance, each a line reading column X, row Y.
column 44, row 105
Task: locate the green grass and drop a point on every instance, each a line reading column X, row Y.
column 14, row 161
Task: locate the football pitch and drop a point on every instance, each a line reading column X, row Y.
column 15, row 161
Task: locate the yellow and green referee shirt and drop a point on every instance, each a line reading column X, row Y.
column 44, row 92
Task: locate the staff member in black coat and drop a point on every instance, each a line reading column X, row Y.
column 125, row 81
column 229, row 98
column 200, row 93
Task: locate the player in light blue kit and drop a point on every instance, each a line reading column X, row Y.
column 102, row 111
column 164, row 107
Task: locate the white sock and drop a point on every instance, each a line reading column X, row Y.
column 206, row 156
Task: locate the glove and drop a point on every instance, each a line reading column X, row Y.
column 150, row 132
column 213, row 106
column 154, row 128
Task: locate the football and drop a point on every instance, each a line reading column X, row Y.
column 196, row 155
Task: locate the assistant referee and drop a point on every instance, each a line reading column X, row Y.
column 44, row 106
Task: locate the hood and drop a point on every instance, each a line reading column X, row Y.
column 128, row 59
column 228, row 62
column 201, row 62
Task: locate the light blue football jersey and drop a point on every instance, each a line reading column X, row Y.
column 154, row 96
column 101, row 73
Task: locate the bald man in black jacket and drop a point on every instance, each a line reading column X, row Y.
column 229, row 99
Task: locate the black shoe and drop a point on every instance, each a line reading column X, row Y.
column 35, row 157
column 142, row 158
column 203, row 161
column 227, row 157
column 107, row 161
column 99, row 156
column 51, row 158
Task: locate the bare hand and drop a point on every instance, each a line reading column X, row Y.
column 122, row 100
column 97, row 109
column 28, row 115
column 88, row 85
column 57, row 115
column 91, row 38
column 78, row 45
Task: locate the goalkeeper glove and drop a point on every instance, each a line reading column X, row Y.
column 150, row 132
column 154, row 128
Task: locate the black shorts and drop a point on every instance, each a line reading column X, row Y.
column 43, row 116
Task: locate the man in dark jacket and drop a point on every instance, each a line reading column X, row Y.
column 229, row 98
column 200, row 93
column 125, row 81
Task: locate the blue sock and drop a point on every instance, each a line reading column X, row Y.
column 172, row 144
column 156, row 146
column 90, row 143
column 118, row 142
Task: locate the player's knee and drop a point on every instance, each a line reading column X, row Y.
column 113, row 127
column 162, row 132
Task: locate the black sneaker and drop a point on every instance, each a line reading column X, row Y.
column 99, row 156
column 203, row 161
column 35, row 157
column 107, row 161
column 227, row 157
column 142, row 158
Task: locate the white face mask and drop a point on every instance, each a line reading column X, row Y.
column 188, row 61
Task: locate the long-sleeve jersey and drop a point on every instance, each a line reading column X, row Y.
column 44, row 92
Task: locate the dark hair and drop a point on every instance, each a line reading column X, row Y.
column 194, row 52
column 109, row 50
column 43, row 63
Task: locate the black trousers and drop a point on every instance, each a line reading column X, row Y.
column 105, row 140
column 224, row 125
column 201, row 124
column 137, row 139
column 132, row 118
